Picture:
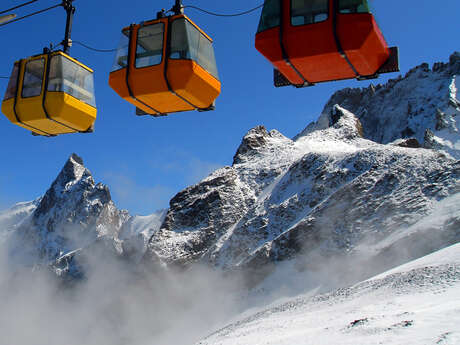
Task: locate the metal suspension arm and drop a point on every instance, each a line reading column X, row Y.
column 178, row 8
column 70, row 9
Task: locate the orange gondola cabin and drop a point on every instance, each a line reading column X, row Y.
column 312, row 41
column 166, row 65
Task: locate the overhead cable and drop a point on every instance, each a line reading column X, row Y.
column 18, row 6
column 223, row 14
column 30, row 15
column 193, row 7
column 95, row 49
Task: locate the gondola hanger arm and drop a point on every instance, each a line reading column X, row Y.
column 178, row 8
column 70, row 10
column 68, row 7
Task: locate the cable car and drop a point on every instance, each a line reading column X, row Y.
column 51, row 94
column 166, row 65
column 312, row 41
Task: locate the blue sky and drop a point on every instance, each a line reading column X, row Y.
column 145, row 161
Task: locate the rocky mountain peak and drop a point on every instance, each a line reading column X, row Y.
column 405, row 107
column 74, row 212
column 258, row 140
column 73, row 176
column 337, row 124
column 345, row 123
column 251, row 143
column 73, row 171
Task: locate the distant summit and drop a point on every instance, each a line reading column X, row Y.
column 73, row 213
column 422, row 105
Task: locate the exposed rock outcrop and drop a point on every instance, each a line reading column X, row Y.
column 73, row 213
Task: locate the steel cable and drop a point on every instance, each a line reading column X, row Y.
column 31, row 14
column 223, row 14
column 95, row 49
column 19, row 6
column 115, row 49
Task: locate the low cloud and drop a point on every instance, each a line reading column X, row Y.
column 116, row 303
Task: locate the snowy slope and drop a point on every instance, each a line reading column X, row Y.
column 424, row 105
column 376, row 162
column 417, row 303
column 323, row 193
column 13, row 217
column 136, row 232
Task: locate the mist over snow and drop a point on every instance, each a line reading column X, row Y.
column 278, row 248
column 112, row 306
column 417, row 303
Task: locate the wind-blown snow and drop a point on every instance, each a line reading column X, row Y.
column 12, row 218
column 423, row 104
column 417, row 303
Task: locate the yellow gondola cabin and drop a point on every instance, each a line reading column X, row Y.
column 166, row 65
column 51, row 94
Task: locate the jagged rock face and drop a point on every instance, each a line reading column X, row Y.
column 73, row 213
column 200, row 215
column 406, row 107
column 371, row 206
column 325, row 192
column 92, row 203
column 334, row 200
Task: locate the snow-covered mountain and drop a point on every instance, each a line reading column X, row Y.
column 73, row 215
column 422, row 105
column 12, row 218
column 376, row 163
column 358, row 175
column 417, row 303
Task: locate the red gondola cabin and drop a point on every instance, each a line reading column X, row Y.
column 311, row 41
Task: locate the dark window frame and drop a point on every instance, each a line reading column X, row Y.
column 92, row 92
column 202, row 35
column 322, row 21
column 345, row 13
column 162, row 45
column 116, row 66
column 42, row 78
column 259, row 30
column 13, row 82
